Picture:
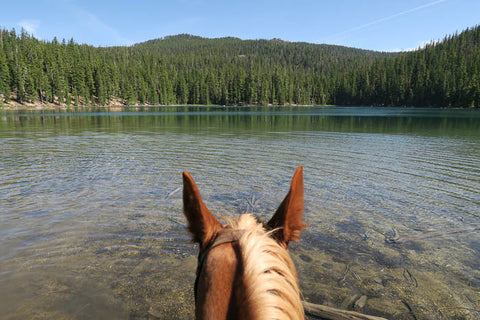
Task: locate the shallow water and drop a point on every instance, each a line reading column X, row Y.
column 91, row 222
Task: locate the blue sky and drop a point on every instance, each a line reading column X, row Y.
column 385, row 25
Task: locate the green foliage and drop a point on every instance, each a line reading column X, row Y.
column 185, row 69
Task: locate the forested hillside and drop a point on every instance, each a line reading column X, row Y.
column 443, row 74
column 185, row 69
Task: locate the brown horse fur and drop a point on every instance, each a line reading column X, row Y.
column 245, row 271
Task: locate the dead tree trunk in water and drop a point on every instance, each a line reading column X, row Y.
column 328, row 313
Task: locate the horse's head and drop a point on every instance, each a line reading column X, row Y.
column 244, row 269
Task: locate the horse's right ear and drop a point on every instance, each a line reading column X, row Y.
column 201, row 222
column 288, row 219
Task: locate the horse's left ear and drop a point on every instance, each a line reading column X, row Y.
column 288, row 218
column 201, row 222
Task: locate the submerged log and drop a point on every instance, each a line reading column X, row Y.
column 328, row 313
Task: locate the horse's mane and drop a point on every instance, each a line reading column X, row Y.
column 269, row 276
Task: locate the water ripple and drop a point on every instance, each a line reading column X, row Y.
column 103, row 199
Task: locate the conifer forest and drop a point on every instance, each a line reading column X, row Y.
column 186, row 69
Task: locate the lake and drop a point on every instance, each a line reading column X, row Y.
column 91, row 222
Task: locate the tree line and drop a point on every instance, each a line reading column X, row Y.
column 186, row 69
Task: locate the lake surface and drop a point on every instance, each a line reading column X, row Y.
column 91, row 222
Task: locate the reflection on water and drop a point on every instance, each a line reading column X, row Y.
column 91, row 222
column 243, row 119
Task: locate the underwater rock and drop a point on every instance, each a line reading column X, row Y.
column 360, row 303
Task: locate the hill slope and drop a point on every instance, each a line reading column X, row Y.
column 186, row 69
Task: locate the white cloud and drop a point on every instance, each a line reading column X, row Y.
column 421, row 45
column 30, row 26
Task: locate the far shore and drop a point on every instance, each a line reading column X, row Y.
column 117, row 105
column 28, row 106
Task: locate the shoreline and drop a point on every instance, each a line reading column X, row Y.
column 28, row 106
column 119, row 106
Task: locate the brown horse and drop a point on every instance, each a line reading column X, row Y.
column 244, row 269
